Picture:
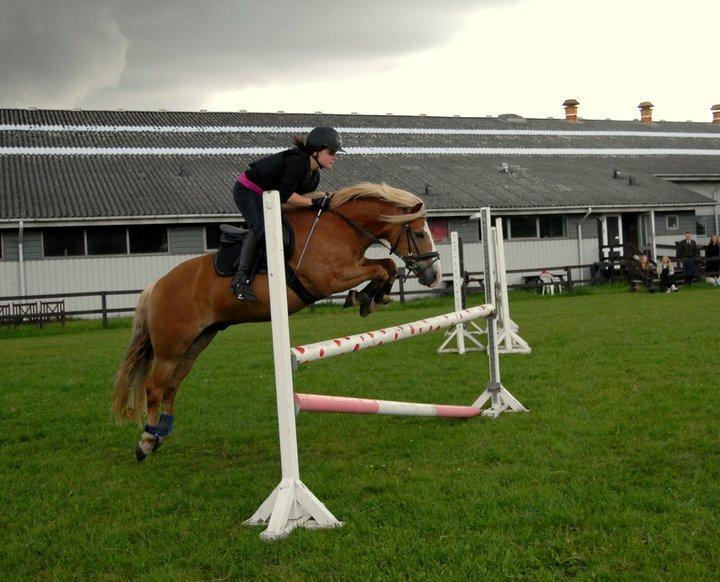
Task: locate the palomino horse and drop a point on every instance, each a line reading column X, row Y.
column 179, row 314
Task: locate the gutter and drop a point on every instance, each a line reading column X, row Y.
column 124, row 220
column 579, row 233
column 21, row 259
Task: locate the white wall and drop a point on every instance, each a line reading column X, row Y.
column 68, row 275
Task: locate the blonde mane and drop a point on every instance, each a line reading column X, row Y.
column 399, row 198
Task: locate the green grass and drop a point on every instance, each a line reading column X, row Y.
column 614, row 472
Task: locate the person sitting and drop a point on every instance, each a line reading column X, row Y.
column 667, row 275
column 647, row 273
column 547, row 280
column 640, row 270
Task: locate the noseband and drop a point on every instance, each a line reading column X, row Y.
column 414, row 255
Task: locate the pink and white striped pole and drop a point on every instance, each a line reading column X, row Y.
column 370, row 339
column 349, row 405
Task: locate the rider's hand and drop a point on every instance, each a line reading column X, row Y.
column 321, row 203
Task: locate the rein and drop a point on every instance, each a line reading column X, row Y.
column 411, row 259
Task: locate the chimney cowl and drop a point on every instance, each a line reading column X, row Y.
column 571, row 109
column 716, row 113
column 645, row 108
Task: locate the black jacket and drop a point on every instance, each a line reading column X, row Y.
column 712, row 250
column 687, row 249
column 287, row 171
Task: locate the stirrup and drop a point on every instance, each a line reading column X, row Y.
column 243, row 291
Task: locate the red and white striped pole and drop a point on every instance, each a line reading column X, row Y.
column 370, row 339
column 349, row 405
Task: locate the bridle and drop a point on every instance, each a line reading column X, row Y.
column 414, row 255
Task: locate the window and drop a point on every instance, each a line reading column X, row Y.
column 672, row 222
column 63, row 242
column 148, row 238
column 523, row 227
column 107, row 240
column 519, row 227
column 438, row 229
column 552, row 226
column 212, row 234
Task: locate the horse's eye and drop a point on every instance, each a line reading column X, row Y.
column 420, row 234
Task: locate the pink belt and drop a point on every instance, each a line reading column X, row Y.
column 245, row 181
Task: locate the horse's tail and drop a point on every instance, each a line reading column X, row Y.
column 129, row 398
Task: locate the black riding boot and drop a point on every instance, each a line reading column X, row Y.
column 242, row 281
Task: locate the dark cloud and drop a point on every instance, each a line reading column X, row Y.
column 108, row 53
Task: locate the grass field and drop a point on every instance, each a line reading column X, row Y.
column 614, row 472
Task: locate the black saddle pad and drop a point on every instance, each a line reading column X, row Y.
column 227, row 256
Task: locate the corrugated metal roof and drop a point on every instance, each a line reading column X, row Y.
column 131, row 161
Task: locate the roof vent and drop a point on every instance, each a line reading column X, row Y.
column 388, row 114
column 427, row 189
column 183, row 172
column 571, row 109
column 354, row 113
column 242, row 111
column 716, row 113
column 646, row 111
column 504, row 168
column 617, row 174
column 632, row 181
column 512, row 118
column 281, row 111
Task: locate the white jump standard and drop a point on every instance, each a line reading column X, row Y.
column 460, row 332
column 291, row 504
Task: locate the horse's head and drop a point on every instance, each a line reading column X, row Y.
column 396, row 216
column 412, row 240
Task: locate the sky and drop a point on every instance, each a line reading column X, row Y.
column 406, row 57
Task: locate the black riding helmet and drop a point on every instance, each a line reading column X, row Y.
column 322, row 138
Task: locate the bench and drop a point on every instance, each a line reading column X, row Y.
column 52, row 311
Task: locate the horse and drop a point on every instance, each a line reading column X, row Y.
column 179, row 314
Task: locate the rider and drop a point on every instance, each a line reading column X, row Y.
column 293, row 172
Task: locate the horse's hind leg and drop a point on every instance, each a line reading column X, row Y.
column 163, row 393
column 157, row 427
column 183, row 368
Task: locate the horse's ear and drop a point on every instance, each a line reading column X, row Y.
column 416, row 208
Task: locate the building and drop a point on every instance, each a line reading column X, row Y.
column 103, row 200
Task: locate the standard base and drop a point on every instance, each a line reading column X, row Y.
column 517, row 344
column 500, row 401
column 291, row 505
column 467, row 334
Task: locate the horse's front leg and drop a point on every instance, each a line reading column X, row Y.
column 381, row 273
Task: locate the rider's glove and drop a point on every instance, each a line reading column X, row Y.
column 321, row 203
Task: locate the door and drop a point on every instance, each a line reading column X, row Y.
column 610, row 236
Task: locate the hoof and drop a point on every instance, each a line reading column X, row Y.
column 352, row 299
column 366, row 309
column 146, row 445
column 157, row 444
column 139, row 454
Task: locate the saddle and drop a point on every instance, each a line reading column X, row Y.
column 227, row 257
column 231, row 240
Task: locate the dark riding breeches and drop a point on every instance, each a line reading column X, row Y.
column 250, row 205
